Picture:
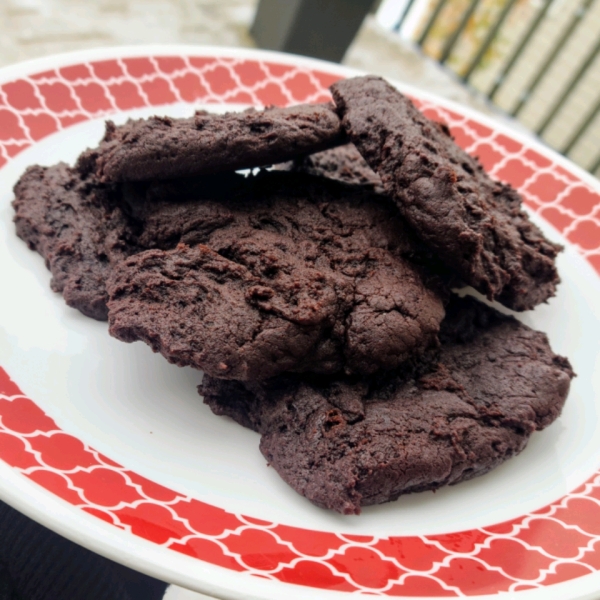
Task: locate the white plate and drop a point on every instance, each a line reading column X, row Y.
column 111, row 446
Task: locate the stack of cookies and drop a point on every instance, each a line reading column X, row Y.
column 315, row 290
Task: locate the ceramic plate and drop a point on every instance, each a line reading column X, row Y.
column 111, row 446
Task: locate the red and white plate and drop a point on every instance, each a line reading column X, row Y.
column 111, row 446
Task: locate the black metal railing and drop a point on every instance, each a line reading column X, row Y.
column 584, row 70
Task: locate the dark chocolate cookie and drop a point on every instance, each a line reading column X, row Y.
column 83, row 228
column 164, row 148
column 345, row 442
column 297, row 274
column 79, row 229
column 474, row 223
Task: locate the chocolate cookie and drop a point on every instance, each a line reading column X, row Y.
column 474, row 223
column 79, row 229
column 83, row 228
column 346, row 442
column 344, row 163
column 164, row 148
column 297, row 274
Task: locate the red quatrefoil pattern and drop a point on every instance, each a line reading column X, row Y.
column 557, row 543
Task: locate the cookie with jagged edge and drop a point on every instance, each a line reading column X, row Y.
column 83, row 228
column 208, row 143
column 79, row 229
column 348, row 442
column 298, row 273
column 475, row 224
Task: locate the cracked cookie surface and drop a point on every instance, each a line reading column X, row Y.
column 298, row 273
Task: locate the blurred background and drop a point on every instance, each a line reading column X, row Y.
column 533, row 62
